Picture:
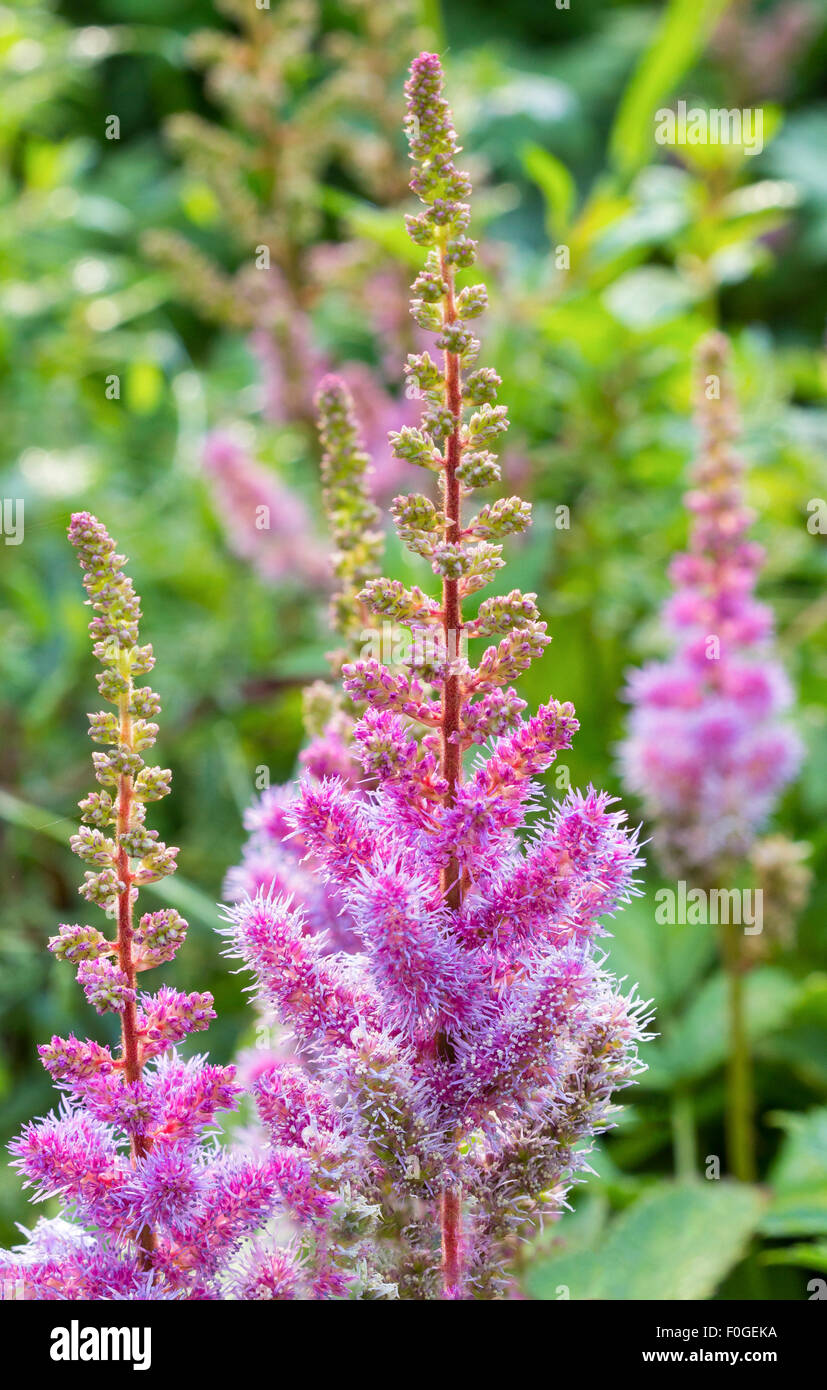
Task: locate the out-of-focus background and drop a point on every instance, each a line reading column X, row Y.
column 201, row 212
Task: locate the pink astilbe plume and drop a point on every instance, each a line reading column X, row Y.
column 708, row 747
column 152, row 1208
column 461, row 1053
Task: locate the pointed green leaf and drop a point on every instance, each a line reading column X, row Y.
column 677, row 1242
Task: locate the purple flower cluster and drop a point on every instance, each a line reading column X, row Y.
column 707, row 747
column 455, row 1059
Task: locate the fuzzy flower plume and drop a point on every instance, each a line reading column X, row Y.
column 152, row 1208
column 708, row 748
column 452, row 1063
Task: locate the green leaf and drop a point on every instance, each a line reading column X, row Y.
column 805, row 1256
column 642, row 299
column 680, row 38
column 801, row 1213
column 795, row 153
column 802, row 1046
column 799, row 1177
column 556, row 185
column 661, row 1248
column 802, row 1162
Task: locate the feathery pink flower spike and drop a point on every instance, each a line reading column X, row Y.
column 708, row 748
column 455, row 1057
column 152, row 1207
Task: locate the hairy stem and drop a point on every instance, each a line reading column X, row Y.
column 131, row 1056
column 451, row 1217
column 451, row 751
column 451, row 605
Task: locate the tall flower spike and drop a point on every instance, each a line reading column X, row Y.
column 270, row 861
column 165, row 1218
column 708, row 748
column 470, row 1033
column 132, row 854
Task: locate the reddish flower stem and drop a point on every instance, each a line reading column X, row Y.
column 451, row 752
column 451, row 605
column 130, row 1046
column 451, row 1219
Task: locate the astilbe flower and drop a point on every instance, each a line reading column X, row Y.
column 457, row 1064
column 152, row 1208
column 267, row 523
column 708, row 748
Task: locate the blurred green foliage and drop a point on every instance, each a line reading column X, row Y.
column 556, row 109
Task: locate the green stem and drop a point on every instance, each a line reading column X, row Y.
column 740, row 1129
column 684, row 1138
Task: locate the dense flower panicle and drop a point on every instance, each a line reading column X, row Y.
column 199, row 1202
column 268, row 1274
column 276, row 862
column 293, row 972
column 76, row 1157
column 419, row 971
column 513, row 982
column 468, row 1038
column 290, row 1104
column 708, row 748
column 160, row 1211
column 574, row 871
column 331, row 823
